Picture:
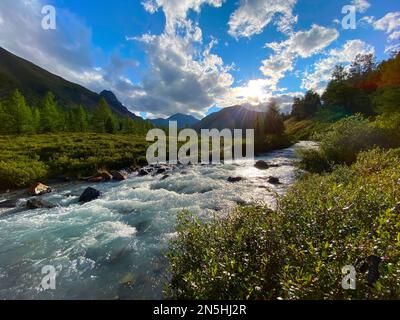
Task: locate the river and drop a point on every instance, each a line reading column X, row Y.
column 113, row 247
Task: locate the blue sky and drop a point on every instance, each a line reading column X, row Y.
column 192, row 56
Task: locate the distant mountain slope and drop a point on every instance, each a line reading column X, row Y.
column 182, row 119
column 34, row 82
column 236, row 117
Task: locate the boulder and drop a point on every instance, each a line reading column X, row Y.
column 161, row 170
column 120, row 175
column 143, row 172
column 89, row 194
column 39, row 189
column 8, row 204
column 261, row 165
column 165, row 177
column 37, row 203
column 274, row 180
column 106, row 175
column 96, row 179
column 101, row 177
column 235, row 179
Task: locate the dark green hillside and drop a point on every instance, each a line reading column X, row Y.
column 34, row 82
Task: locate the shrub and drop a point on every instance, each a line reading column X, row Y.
column 322, row 224
column 342, row 143
column 19, row 173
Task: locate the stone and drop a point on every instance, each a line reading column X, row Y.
column 39, row 189
column 89, row 194
column 274, row 180
column 119, row 175
column 235, row 179
column 261, row 165
column 37, row 203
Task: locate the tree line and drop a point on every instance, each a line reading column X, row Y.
column 17, row 117
column 365, row 87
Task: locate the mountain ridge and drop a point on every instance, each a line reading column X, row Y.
column 34, row 82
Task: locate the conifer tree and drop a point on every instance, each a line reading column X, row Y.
column 20, row 115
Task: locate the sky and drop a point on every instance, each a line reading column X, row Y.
column 161, row 57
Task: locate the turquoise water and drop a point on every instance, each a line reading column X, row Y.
column 112, row 248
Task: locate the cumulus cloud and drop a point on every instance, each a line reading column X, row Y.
column 322, row 69
column 301, row 44
column 184, row 74
column 176, row 10
column 361, row 5
column 390, row 24
column 253, row 16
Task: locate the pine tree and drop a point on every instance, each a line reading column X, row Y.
column 20, row 115
column 81, row 119
column 35, row 120
column 101, row 116
column 50, row 115
column 274, row 120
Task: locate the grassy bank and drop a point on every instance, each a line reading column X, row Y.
column 323, row 223
column 24, row 159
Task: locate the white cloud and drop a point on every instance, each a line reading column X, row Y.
column 253, row 16
column 322, row 70
column 176, row 10
column 361, row 5
column 302, row 44
column 394, row 36
column 389, row 22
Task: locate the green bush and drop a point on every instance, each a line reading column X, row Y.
column 344, row 140
column 322, row 224
column 67, row 154
column 16, row 173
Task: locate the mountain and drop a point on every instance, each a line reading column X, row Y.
column 236, row 117
column 183, row 120
column 116, row 105
column 34, row 82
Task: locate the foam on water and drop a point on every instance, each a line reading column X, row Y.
column 97, row 247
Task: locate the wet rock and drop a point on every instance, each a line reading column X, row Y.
column 89, row 194
column 101, row 177
column 37, row 203
column 8, row 204
column 261, row 165
column 39, row 189
column 95, row 179
column 235, row 179
column 144, row 172
column 161, row 170
column 165, row 177
column 143, row 226
column 119, row 175
column 128, row 280
column 274, row 180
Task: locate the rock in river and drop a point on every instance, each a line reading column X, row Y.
column 89, row 194
column 37, row 203
column 235, row 179
column 262, row 165
column 274, row 180
column 120, row 175
column 39, row 189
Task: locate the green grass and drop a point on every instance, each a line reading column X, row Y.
column 25, row 159
column 322, row 224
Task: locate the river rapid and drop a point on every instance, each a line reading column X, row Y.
column 113, row 247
